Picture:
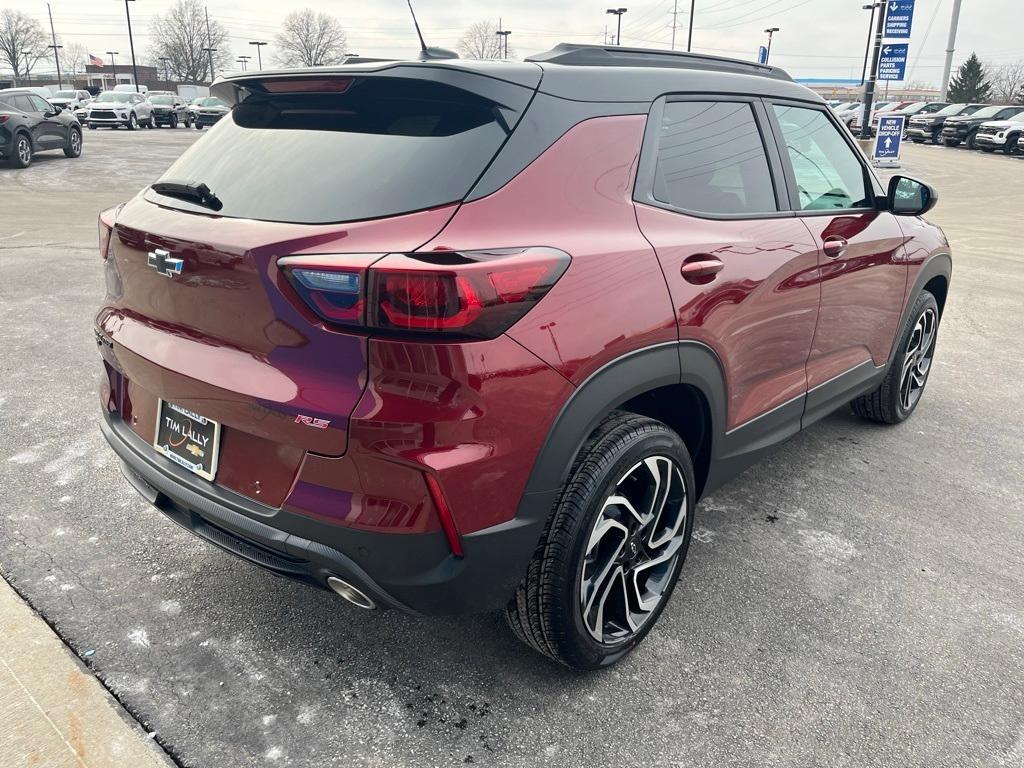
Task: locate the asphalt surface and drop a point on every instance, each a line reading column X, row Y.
column 855, row 600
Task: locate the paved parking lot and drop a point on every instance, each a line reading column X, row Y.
column 856, row 600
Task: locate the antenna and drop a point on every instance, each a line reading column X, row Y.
column 427, row 53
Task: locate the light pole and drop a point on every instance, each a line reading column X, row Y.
column 771, row 31
column 56, row 48
column 28, row 68
column 503, row 40
column 867, row 48
column 689, row 39
column 947, row 68
column 113, row 63
column 259, row 57
column 131, row 43
column 209, row 41
column 210, row 52
column 617, row 12
column 165, row 59
column 242, row 60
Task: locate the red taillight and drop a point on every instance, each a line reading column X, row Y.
column 106, row 229
column 472, row 294
column 4, row 119
column 451, row 533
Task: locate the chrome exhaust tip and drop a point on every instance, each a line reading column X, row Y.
column 353, row 594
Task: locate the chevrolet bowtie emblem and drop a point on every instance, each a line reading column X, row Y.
column 164, row 263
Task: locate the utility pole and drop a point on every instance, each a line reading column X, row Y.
column 28, row 67
column 56, row 52
column 209, row 41
column 950, row 48
column 131, row 43
column 617, row 12
column 259, row 58
column 243, row 60
column 113, row 63
column 771, row 31
column 869, row 89
column 165, row 59
column 675, row 13
column 689, row 39
column 867, row 48
column 503, row 34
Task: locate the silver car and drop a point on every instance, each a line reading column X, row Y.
column 114, row 108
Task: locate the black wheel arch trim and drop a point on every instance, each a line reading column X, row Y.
column 937, row 265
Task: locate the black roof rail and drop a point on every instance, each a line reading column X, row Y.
column 575, row 54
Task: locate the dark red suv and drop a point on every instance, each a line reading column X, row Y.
column 454, row 336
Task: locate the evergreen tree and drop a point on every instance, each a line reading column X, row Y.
column 970, row 84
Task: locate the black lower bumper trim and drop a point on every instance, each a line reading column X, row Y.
column 415, row 573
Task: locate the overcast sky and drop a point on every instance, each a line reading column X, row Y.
column 818, row 38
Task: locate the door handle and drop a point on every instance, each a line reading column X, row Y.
column 701, row 269
column 835, row 246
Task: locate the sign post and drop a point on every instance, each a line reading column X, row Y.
column 888, row 141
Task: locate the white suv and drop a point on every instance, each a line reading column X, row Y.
column 114, row 108
column 1001, row 134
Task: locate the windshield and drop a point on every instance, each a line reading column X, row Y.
column 383, row 147
column 112, row 98
column 64, row 95
column 952, row 109
column 988, row 112
column 212, row 102
column 162, row 99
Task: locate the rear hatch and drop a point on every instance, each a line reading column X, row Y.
column 198, row 312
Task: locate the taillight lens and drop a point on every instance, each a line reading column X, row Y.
column 105, row 225
column 469, row 294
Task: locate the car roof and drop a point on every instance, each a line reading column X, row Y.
column 591, row 73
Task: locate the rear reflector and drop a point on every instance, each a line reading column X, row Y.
column 451, row 533
column 470, row 294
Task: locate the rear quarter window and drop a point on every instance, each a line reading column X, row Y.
column 384, row 147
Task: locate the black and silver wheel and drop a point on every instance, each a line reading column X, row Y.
column 613, row 548
column 1010, row 147
column 904, row 383
column 972, row 140
column 133, row 122
column 174, row 121
column 21, row 154
column 73, row 147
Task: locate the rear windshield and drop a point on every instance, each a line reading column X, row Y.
column 210, row 101
column 161, row 99
column 385, row 146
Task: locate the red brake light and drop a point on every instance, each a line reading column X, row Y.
column 308, row 85
column 471, row 294
column 106, row 229
column 4, row 119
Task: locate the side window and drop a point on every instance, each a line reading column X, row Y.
column 39, row 103
column 711, row 159
column 829, row 176
column 24, row 103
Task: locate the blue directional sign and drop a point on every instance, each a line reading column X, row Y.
column 893, row 62
column 888, row 139
column 899, row 18
column 762, row 55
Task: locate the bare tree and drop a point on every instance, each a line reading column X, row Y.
column 310, row 39
column 73, row 59
column 481, row 41
column 181, row 36
column 1007, row 81
column 22, row 41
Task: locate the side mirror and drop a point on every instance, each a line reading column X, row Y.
column 52, row 112
column 910, row 197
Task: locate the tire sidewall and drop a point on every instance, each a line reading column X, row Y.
column 584, row 651
column 69, row 149
column 924, row 301
column 15, row 159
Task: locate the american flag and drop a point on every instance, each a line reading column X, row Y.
column 96, row 61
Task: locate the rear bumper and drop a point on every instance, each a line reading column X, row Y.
column 415, row 573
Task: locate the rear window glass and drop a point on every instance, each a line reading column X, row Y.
column 383, row 147
column 162, row 99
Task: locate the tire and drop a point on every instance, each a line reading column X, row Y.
column 936, row 137
column 550, row 610
column 916, row 140
column 92, row 126
column 1010, row 147
column 987, row 149
column 199, row 126
column 73, row 148
column 21, row 157
column 971, row 143
column 174, row 121
column 892, row 402
column 133, row 122
column 951, row 142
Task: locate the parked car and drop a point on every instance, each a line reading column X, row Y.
column 909, row 111
column 115, row 108
column 964, row 128
column 929, row 126
column 208, row 111
column 1001, row 134
column 485, row 346
column 71, row 99
column 847, row 112
column 170, row 109
column 131, row 88
column 30, row 124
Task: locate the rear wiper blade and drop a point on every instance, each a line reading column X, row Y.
column 187, row 190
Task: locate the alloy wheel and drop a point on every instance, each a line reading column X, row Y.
column 917, row 360
column 76, row 142
column 633, row 549
column 24, row 151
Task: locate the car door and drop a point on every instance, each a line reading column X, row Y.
column 23, row 102
column 863, row 267
column 710, row 198
column 51, row 131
